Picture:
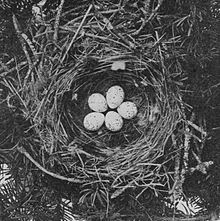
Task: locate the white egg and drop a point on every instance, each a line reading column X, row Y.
column 115, row 96
column 97, row 102
column 113, row 121
column 127, row 110
column 93, row 121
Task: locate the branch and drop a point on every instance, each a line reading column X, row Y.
column 57, row 20
column 23, row 44
column 176, row 189
column 197, row 128
column 30, row 44
column 186, row 148
column 201, row 166
column 27, row 155
column 18, row 31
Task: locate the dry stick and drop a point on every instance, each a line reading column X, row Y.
column 212, row 87
column 177, row 187
column 145, row 21
column 13, row 90
column 197, row 128
column 121, row 190
column 4, row 66
column 17, row 28
column 13, row 69
column 77, row 32
column 30, row 44
column 186, row 147
column 186, row 154
column 57, row 20
column 73, row 180
column 20, row 65
column 6, row 69
column 113, row 31
column 10, row 61
column 23, row 44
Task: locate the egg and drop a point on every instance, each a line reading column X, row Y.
column 93, row 121
column 115, row 96
column 97, row 102
column 127, row 110
column 113, row 121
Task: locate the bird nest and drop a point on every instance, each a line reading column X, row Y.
column 130, row 154
column 89, row 56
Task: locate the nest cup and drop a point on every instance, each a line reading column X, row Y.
column 140, row 141
column 77, row 108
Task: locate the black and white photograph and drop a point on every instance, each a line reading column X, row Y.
column 109, row 110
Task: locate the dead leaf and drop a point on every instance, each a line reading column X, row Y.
column 118, row 65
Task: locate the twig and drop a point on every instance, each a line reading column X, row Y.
column 4, row 74
column 145, row 20
column 212, row 87
column 17, row 28
column 14, row 91
column 113, row 31
column 201, row 166
column 77, row 32
column 197, row 128
column 23, row 44
column 30, row 44
column 57, row 176
column 121, row 190
column 177, row 187
column 186, row 154
column 57, row 20
column 4, row 66
column 186, row 147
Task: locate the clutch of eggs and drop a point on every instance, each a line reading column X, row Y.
column 115, row 96
column 93, row 121
column 97, row 102
column 127, row 110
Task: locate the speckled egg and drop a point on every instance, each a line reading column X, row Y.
column 113, row 121
column 97, row 102
column 115, row 96
column 127, row 110
column 93, row 121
